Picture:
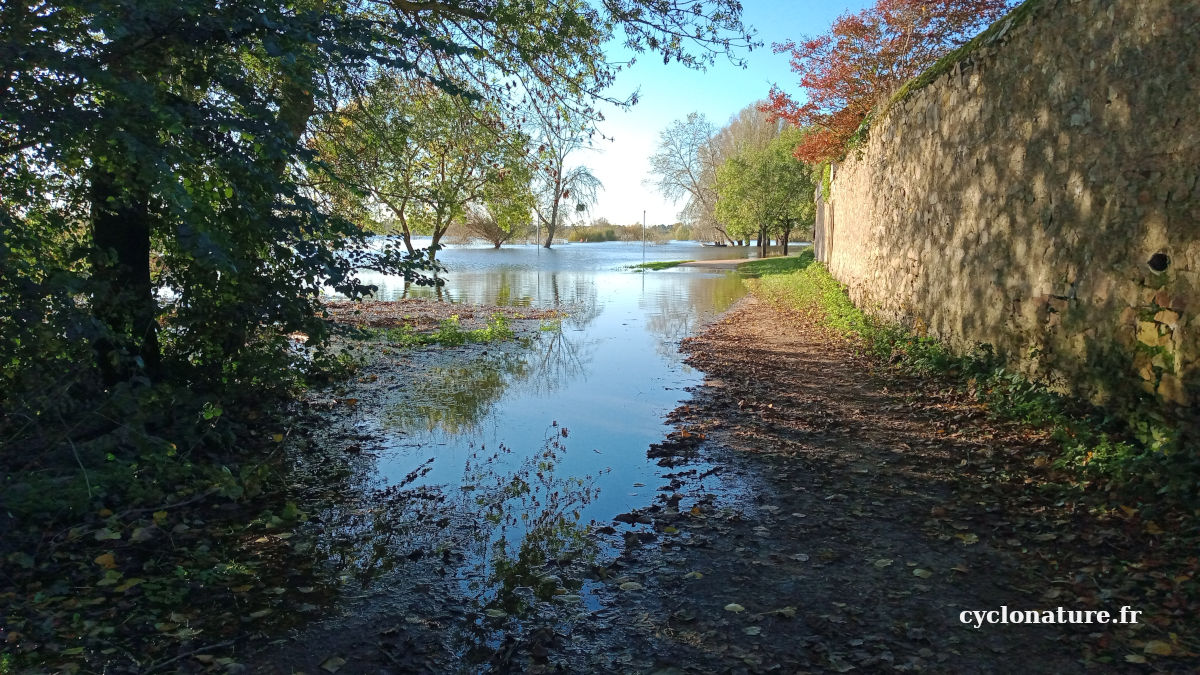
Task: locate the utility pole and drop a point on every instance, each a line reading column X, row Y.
column 643, row 240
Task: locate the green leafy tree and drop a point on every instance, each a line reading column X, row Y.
column 506, row 208
column 410, row 154
column 766, row 192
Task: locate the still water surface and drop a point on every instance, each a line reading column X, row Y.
column 608, row 376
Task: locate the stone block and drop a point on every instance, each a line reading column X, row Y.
column 1171, row 389
column 1148, row 334
column 1168, row 318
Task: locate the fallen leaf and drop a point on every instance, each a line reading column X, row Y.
column 631, row 586
column 332, row 664
column 129, row 583
column 883, row 562
column 968, row 538
column 752, row 630
column 1157, row 647
column 496, row 613
column 923, row 573
column 1135, row 658
column 789, row 612
column 693, row 575
column 735, row 608
column 106, row 560
column 106, row 534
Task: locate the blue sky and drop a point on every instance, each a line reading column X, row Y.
column 670, row 92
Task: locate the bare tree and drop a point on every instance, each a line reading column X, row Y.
column 683, row 166
column 558, row 184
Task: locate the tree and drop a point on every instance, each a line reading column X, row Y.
column 506, row 207
column 559, row 184
column 864, row 57
column 684, row 166
column 765, row 192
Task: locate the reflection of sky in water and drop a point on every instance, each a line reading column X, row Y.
column 609, row 376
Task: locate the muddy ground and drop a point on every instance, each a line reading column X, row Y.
column 876, row 509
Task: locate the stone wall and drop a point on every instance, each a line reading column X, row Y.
column 1042, row 197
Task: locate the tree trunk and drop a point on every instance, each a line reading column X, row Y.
column 124, row 300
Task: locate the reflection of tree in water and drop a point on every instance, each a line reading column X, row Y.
column 455, row 399
column 575, row 294
column 489, row 549
column 679, row 309
column 530, row 519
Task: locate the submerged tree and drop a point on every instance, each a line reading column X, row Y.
column 560, row 188
column 866, row 56
column 766, row 192
column 505, row 210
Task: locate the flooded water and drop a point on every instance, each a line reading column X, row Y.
column 608, row 376
column 514, row 450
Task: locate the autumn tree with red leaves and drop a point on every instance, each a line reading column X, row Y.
column 866, row 56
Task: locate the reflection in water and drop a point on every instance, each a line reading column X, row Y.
column 533, row 518
column 453, row 399
column 671, row 310
column 500, row 545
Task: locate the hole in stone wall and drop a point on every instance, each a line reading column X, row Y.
column 1158, row 262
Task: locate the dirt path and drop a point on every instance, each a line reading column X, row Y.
column 855, row 547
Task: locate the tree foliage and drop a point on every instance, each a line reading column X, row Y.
column 406, row 152
column 766, row 192
column 691, row 150
column 166, row 141
column 863, row 58
column 505, row 210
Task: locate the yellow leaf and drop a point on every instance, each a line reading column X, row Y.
column 693, row 575
column 104, row 513
column 106, row 560
column 278, row 438
column 129, row 583
column 671, row 529
column 696, row 511
column 1135, row 658
column 1153, row 528
column 159, row 517
column 1129, row 510
column 1157, row 647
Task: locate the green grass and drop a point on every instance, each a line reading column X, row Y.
column 772, row 266
column 659, row 265
column 449, row 333
column 1134, row 452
